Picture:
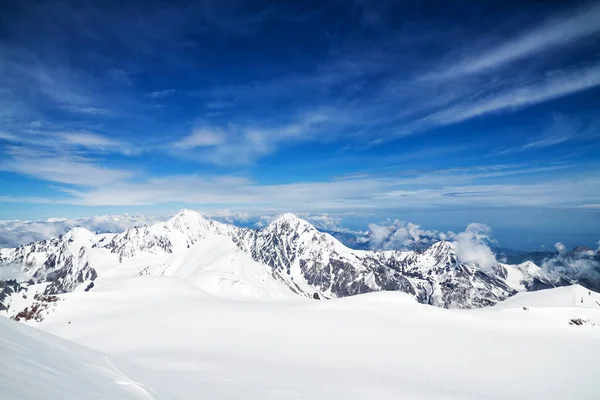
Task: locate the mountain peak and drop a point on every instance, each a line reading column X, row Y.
column 186, row 211
column 581, row 249
column 289, row 218
column 78, row 233
column 289, row 221
column 442, row 244
column 442, row 251
column 441, row 247
column 186, row 214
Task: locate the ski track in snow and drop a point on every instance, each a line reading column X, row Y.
column 148, row 392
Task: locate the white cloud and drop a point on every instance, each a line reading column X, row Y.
column 561, row 248
column 561, row 129
column 402, row 235
column 87, row 139
column 585, row 207
column 328, row 222
column 202, row 137
column 578, row 264
column 66, row 157
column 15, row 232
column 9, row 137
column 63, row 141
column 162, row 93
column 58, row 83
column 86, row 110
column 96, row 185
column 472, row 246
column 11, row 271
column 243, row 144
column 61, row 168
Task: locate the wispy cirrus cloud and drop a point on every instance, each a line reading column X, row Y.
column 556, row 85
column 86, row 110
column 37, row 83
column 61, row 141
column 88, row 139
column 64, row 168
column 423, row 190
column 586, row 207
column 159, row 94
column 560, row 130
column 478, row 81
column 232, row 144
column 553, row 33
column 202, row 137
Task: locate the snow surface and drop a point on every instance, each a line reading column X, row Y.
column 35, row 365
column 177, row 341
column 216, row 265
column 566, row 296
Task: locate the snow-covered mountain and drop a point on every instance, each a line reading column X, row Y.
column 288, row 255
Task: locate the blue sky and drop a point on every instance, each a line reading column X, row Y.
column 441, row 113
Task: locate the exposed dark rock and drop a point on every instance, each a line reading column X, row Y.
column 7, row 288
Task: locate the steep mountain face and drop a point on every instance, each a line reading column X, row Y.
column 75, row 271
column 312, row 261
column 293, row 252
column 8, row 288
column 61, row 263
column 315, row 261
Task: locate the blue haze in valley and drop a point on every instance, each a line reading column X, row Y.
column 434, row 112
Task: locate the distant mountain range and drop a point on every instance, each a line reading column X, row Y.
column 291, row 252
column 358, row 241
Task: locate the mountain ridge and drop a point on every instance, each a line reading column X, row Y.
column 311, row 263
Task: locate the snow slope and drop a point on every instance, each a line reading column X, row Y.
column 217, row 266
column 35, row 365
column 381, row 345
column 566, row 296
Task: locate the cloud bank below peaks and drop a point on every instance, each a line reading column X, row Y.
column 472, row 245
column 14, row 233
column 402, row 235
column 580, row 263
